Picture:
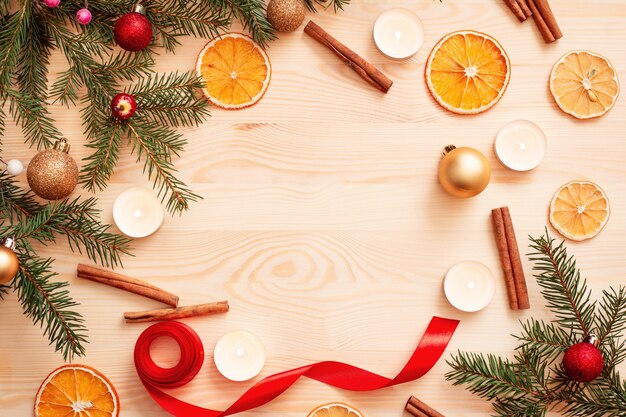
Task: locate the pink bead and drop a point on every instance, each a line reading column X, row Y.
column 83, row 16
column 52, row 3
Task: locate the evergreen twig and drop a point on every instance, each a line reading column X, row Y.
column 535, row 381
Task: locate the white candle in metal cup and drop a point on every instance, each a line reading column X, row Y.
column 398, row 33
column 469, row 286
column 239, row 356
column 520, row 145
column 137, row 212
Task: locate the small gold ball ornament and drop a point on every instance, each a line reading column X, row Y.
column 464, row 172
column 9, row 264
column 53, row 174
column 286, row 15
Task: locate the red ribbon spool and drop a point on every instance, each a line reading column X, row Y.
column 337, row 374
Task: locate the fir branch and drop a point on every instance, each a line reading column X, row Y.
column 546, row 339
column 126, row 66
column 251, row 14
column 566, row 293
column 337, row 4
column 518, row 407
column 48, row 304
column 611, row 317
column 175, row 18
column 159, row 168
column 32, row 70
column 37, row 125
column 105, row 141
column 489, row 376
column 170, row 99
column 14, row 30
column 15, row 202
column 78, row 221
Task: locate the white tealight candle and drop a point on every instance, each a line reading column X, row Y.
column 469, row 286
column 137, row 212
column 521, row 145
column 398, row 33
column 239, row 356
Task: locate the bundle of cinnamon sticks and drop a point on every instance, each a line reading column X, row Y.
column 144, row 289
column 417, row 408
column 510, row 259
column 541, row 12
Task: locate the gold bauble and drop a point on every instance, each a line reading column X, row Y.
column 52, row 174
column 9, row 264
column 464, row 172
column 286, row 15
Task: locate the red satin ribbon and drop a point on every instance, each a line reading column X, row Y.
column 336, row 374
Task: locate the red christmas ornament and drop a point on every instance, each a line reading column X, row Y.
column 123, row 106
column 583, row 362
column 133, row 31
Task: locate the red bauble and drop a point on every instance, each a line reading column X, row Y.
column 123, row 106
column 583, row 362
column 133, row 31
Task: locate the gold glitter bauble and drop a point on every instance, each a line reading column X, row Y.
column 52, row 174
column 285, row 15
column 464, row 172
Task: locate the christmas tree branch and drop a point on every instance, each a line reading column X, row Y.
column 566, row 294
column 48, row 304
column 611, row 317
column 546, row 339
column 171, row 99
column 15, row 202
column 159, row 168
column 489, row 376
column 251, row 14
column 34, row 119
column 100, row 164
column 78, row 221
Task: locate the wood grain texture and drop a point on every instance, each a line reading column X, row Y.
column 322, row 221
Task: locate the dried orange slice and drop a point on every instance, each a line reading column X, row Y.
column 335, row 410
column 467, row 72
column 584, row 84
column 76, row 391
column 579, row 210
column 235, row 71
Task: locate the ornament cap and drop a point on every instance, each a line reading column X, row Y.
column 9, row 242
column 139, row 8
column 62, row 145
column 448, row 149
column 592, row 339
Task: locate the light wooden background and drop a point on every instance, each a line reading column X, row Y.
column 323, row 223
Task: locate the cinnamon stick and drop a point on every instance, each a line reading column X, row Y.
column 505, row 259
column 516, row 9
column 524, row 6
column 545, row 31
column 367, row 71
column 176, row 313
column 546, row 12
column 126, row 283
column 420, row 409
column 521, row 289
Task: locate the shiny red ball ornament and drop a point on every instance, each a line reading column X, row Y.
column 133, row 31
column 583, row 362
column 123, row 106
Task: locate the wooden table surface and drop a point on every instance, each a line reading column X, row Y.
column 323, row 223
